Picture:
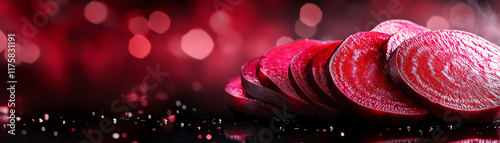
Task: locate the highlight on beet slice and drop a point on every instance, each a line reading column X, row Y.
column 399, row 37
column 356, row 69
column 298, row 78
column 273, row 69
column 317, row 74
column 394, row 25
column 237, row 98
column 450, row 72
column 252, row 86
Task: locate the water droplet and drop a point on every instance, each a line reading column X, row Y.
column 115, row 135
column 40, row 120
column 64, row 122
column 182, row 125
column 178, row 103
column 209, row 137
column 114, row 120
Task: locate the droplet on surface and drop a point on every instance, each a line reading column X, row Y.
column 310, row 14
column 197, row 44
column 96, row 12
column 159, row 22
column 139, row 46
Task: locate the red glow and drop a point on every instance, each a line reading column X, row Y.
column 209, row 137
column 139, row 46
column 199, row 49
column 124, row 135
column 310, row 14
column 159, row 22
column 3, row 41
column 96, row 12
column 138, row 25
column 283, row 40
column 437, row 22
column 31, row 53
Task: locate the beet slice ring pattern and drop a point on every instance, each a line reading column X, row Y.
column 298, row 78
column 241, row 101
column 317, row 74
column 450, row 72
column 252, row 86
column 394, row 25
column 273, row 69
column 356, row 69
column 399, row 37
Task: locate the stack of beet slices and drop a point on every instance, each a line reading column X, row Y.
column 399, row 72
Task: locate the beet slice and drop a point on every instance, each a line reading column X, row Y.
column 399, row 37
column 298, row 78
column 252, row 86
column 356, row 69
column 273, row 69
column 317, row 74
column 394, row 25
column 450, row 72
column 237, row 98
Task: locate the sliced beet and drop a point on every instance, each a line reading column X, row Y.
column 356, row 69
column 241, row 101
column 317, row 74
column 399, row 37
column 394, row 25
column 273, row 70
column 252, row 86
column 450, row 72
column 298, row 78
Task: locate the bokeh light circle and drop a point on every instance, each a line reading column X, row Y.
column 139, row 46
column 437, row 22
column 3, row 41
column 283, row 40
column 31, row 53
column 96, row 12
column 197, row 44
column 304, row 31
column 310, row 14
column 462, row 16
column 159, row 22
column 19, row 57
column 220, row 22
column 138, row 25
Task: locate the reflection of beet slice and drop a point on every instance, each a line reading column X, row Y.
column 273, row 69
column 252, row 86
column 392, row 26
column 356, row 69
column 241, row 101
column 450, row 71
column 317, row 75
column 298, row 78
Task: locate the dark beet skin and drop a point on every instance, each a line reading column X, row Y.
column 394, row 25
column 356, row 69
column 237, row 98
column 273, row 70
column 252, row 86
column 317, row 74
column 298, row 78
column 450, row 72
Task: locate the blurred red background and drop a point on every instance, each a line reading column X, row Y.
column 80, row 55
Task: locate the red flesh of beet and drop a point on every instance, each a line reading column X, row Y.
column 356, row 69
column 273, row 69
column 450, row 72
column 298, row 78
column 241, row 101
column 399, row 37
column 392, row 26
column 317, row 76
column 252, row 86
